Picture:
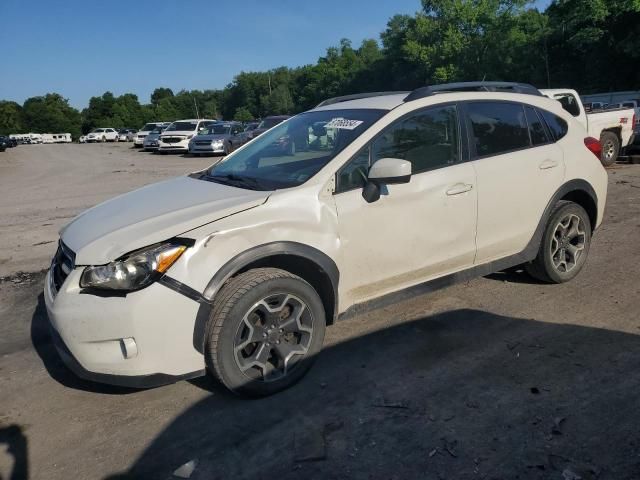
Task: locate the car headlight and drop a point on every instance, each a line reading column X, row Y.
column 216, row 143
column 135, row 271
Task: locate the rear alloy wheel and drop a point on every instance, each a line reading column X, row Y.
column 266, row 327
column 610, row 148
column 565, row 245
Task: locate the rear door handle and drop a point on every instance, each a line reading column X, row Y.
column 459, row 188
column 547, row 164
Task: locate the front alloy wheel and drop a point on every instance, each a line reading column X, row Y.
column 274, row 334
column 266, row 327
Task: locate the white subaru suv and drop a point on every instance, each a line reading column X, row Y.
column 236, row 270
column 176, row 136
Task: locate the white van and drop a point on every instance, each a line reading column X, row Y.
column 176, row 136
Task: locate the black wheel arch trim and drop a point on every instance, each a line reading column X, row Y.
column 576, row 185
column 325, row 264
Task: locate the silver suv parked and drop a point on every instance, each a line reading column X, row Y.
column 221, row 137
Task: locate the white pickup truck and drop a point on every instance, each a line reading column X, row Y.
column 614, row 127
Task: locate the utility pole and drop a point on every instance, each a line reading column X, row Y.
column 196, row 105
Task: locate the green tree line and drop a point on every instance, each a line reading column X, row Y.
column 589, row 45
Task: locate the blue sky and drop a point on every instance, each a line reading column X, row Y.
column 83, row 48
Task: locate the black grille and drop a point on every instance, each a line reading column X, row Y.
column 171, row 139
column 203, row 143
column 63, row 263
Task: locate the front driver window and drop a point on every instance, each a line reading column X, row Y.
column 354, row 174
column 428, row 139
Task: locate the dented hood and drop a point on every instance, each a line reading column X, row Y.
column 152, row 214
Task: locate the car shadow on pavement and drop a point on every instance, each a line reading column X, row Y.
column 41, row 341
column 462, row 394
column 514, row 275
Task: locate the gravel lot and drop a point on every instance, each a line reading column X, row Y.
column 497, row 378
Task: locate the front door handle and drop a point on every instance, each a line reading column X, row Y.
column 459, row 188
column 547, row 164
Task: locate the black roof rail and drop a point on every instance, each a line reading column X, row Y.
column 355, row 96
column 509, row 87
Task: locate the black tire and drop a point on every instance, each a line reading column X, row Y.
column 239, row 299
column 104, row 139
column 610, row 148
column 545, row 266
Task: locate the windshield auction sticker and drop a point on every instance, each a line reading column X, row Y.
column 343, row 123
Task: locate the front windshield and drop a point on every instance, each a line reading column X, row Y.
column 216, row 129
column 294, row 151
column 97, row 130
column 149, row 127
column 182, row 126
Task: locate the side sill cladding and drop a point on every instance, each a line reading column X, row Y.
column 255, row 257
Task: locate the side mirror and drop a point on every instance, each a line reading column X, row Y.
column 385, row 171
column 390, row 171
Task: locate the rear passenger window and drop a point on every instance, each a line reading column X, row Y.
column 536, row 129
column 557, row 125
column 498, row 127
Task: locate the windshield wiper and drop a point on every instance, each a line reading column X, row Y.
column 237, row 181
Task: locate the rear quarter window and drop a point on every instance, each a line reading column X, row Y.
column 536, row 128
column 558, row 126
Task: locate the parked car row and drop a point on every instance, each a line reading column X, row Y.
column 200, row 136
column 36, row 138
column 109, row 135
